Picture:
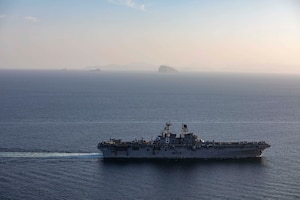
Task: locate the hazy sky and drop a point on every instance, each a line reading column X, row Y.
column 210, row 35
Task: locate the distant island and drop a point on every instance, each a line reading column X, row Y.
column 166, row 69
column 95, row 68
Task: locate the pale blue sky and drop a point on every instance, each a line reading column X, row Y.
column 233, row 35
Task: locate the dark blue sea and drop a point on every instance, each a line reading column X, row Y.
column 52, row 121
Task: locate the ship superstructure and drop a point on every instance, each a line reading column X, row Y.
column 187, row 145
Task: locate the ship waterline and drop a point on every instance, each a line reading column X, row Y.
column 186, row 146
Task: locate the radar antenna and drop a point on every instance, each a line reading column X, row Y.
column 185, row 129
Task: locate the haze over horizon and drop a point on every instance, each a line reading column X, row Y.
column 202, row 35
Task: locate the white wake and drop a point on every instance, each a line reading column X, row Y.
column 48, row 155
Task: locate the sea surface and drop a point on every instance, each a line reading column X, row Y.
column 52, row 121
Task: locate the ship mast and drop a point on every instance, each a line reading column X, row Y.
column 166, row 131
column 184, row 131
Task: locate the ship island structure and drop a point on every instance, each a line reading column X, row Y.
column 187, row 145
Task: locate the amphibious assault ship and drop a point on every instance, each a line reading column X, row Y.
column 185, row 146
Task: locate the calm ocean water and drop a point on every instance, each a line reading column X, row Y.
column 51, row 122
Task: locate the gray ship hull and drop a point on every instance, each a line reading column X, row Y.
column 211, row 152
